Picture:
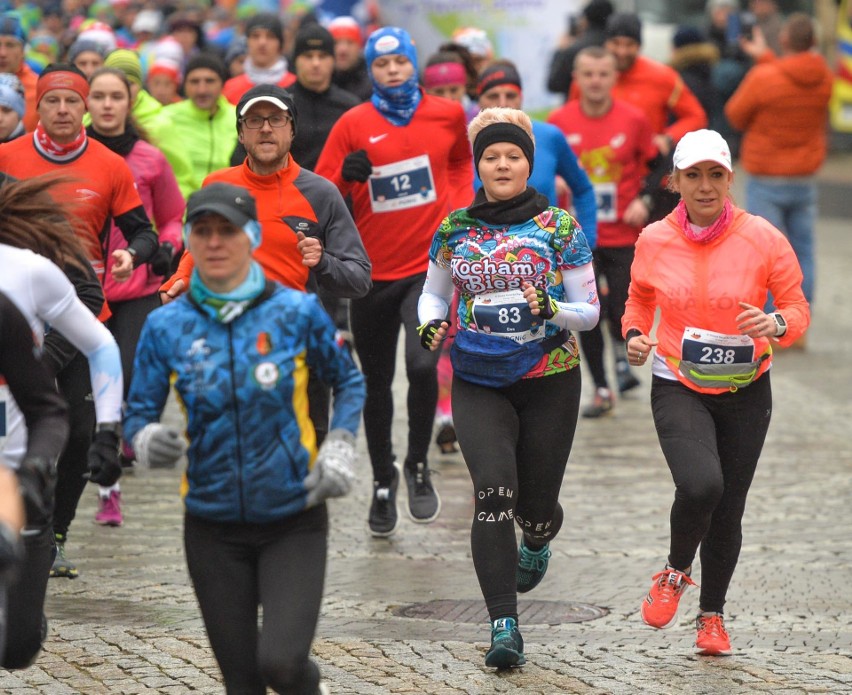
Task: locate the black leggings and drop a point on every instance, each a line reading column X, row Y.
column 376, row 319
column 125, row 324
column 516, row 442
column 711, row 444
column 614, row 265
column 25, row 596
column 279, row 566
column 76, row 386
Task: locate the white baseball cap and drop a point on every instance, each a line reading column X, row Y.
column 702, row 146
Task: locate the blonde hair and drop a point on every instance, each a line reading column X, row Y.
column 499, row 114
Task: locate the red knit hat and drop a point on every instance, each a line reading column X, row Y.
column 346, row 28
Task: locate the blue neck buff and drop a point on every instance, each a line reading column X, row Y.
column 224, row 308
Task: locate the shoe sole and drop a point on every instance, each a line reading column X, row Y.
column 502, row 657
column 597, row 414
column 64, row 574
column 99, row 522
column 714, row 652
column 384, row 534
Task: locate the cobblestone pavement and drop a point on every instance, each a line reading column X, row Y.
column 130, row 624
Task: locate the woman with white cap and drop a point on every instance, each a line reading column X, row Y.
column 256, row 524
column 707, row 268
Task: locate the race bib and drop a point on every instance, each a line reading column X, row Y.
column 606, row 198
column 401, row 185
column 707, row 347
column 506, row 314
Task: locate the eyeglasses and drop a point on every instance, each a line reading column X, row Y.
column 276, row 120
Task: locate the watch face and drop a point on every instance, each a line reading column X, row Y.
column 780, row 320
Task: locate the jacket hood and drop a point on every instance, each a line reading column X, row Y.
column 807, row 69
column 694, row 53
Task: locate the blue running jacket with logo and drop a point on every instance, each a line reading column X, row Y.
column 243, row 386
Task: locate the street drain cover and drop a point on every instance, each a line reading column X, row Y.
column 530, row 612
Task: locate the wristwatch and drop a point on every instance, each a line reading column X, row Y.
column 780, row 324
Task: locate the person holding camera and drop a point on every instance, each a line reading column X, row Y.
column 256, row 524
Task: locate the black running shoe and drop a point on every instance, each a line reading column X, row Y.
column 507, row 645
column 383, row 518
column 424, row 504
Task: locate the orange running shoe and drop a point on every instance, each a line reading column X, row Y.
column 659, row 609
column 712, row 639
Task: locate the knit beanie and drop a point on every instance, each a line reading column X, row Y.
column 597, row 12
column 128, row 62
column 346, row 28
column 166, row 67
column 208, row 61
column 313, row 37
column 498, row 74
column 83, row 46
column 687, row 35
column 267, row 21
column 11, row 25
column 12, row 99
column 624, row 24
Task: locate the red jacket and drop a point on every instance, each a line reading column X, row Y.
column 699, row 285
column 782, row 107
column 239, row 85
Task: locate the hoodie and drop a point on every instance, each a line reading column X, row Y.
column 782, row 108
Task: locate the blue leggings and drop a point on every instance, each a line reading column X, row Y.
column 711, row 444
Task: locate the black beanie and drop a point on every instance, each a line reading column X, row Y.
column 266, row 20
column 624, row 24
column 500, row 73
column 313, row 37
column 503, row 132
column 208, row 61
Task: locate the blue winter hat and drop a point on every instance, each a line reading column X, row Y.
column 11, row 99
column 390, row 41
column 11, row 25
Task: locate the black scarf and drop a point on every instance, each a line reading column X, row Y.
column 519, row 209
column 120, row 144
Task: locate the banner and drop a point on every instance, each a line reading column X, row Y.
column 841, row 98
column 523, row 31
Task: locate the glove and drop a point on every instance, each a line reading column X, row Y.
column 357, row 166
column 104, row 468
column 547, row 306
column 37, row 483
column 427, row 332
column 158, row 446
column 11, row 554
column 161, row 262
column 332, row 474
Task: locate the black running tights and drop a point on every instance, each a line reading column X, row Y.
column 236, row 568
column 711, row 444
column 516, row 442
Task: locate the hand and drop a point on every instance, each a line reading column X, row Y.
column 175, row 291
column 161, row 263
column 158, row 446
column 637, row 213
column 639, row 348
column 541, row 303
column 357, row 166
column 664, row 144
column 122, row 266
column 333, row 472
column 37, row 483
column 754, row 323
column 311, row 249
column 755, row 46
column 432, row 333
column 104, row 468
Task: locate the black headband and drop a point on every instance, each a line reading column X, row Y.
column 503, row 132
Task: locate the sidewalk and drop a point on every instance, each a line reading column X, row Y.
column 130, row 623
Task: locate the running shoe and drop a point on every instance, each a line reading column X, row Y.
column 507, row 645
column 532, row 564
column 601, row 404
column 62, row 566
column 383, row 517
column 712, row 639
column 424, row 503
column 626, row 380
column 659, row 609
column 109, row 509
column 446, row 438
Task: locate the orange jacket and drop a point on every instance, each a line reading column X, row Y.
column 782, row 107
column 28, row 80
column 700, row 285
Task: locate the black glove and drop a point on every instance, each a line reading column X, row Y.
column 161, row 262
column 11, row 553
column 547, row 306
column 104, row 468
column 427, row 332
column 37, row 481
column 357, row 166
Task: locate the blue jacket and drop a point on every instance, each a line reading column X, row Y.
column 243, row 386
